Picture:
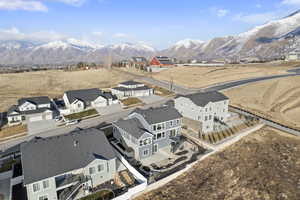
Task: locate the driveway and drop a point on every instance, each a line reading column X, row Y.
column 109, row 109
column 151, row 99
column 40, row 126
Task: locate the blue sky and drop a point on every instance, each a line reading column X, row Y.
column 156, row 22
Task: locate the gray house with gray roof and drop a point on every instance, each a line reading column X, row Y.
column 80, row 100
column 132, row 89
column 147, row 132
column 58, row 167
column 30, row 109
column 206, row 107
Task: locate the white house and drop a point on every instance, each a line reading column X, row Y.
column 132, row 89
column 80, row 100
column 61, row 167
column 206, row 107
column 30, row 109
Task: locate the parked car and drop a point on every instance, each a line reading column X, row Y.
column 58, row 118
column 72, row 122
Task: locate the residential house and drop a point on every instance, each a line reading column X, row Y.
column 30, row 109
column 60, row 166
column 139, row 62
column 147, row 132
column 132, row 89
column 161, row 61
column 293, row 56
column 206, row 107
column 80, row 100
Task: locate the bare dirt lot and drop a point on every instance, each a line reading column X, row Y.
column 53, row 83
column 264, row 165
column 278, row 99
column 195, row 77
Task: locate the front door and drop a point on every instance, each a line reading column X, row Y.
column 155, row 148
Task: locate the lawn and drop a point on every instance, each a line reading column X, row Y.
column 81, row 115
column 162, row 92
column 12, row 131
column 131, row 101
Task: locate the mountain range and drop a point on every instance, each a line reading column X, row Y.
column 269, row 41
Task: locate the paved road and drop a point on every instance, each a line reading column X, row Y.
column 83, row 124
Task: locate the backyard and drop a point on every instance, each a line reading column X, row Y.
column 11, row 131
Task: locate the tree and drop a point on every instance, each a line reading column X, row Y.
column 80, row 65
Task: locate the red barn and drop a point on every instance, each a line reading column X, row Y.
column 161, row 61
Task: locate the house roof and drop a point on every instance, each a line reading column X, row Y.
column 86, row 95
column 35, row 100
column 131, row 82
column 48, row 157
column 15, row 108
column 132, row 126
column 164, row 60
column 203, row 98
column 160, row 114
column 123, row 89
column 139, row 59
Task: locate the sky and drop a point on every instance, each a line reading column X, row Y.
column 159, row 23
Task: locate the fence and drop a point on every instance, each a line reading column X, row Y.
column 268, row 121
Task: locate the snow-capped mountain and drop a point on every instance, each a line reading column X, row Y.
column 271, row 40
column 188, row 44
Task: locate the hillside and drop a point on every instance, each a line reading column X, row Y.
column 264, row 165
column 277, row 99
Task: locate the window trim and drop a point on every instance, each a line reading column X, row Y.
column 43, row 195
column 47, row 181
column 92, row 167
column 39, row 189
column 103, row 168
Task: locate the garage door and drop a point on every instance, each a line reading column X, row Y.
column 35, row 118
column 48, row 116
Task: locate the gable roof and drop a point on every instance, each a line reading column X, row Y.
column 132, row 126
column 203, row 98
column 85, row 95
column 160, row 114
column 35, row 100
column 139, row 59
column 47, row 157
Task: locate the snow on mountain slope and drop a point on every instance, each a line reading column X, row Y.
column 188, row 43
column 130, row 46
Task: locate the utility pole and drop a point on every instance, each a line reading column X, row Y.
column 171, row 83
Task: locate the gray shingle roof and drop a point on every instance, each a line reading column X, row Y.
column 131, row 82
column 35, row 100
column 132, row 126
column 86, row 95
column 160, row 114
column 203, row 98
column 48, row 157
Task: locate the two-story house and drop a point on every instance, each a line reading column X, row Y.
column 30, row 109
column 205, row 107
column 148, row 131
column 132, row 89
column 61, row 167
column 80, row 100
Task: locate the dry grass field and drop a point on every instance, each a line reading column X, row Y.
column 264, row 165
column 53, row 83
column 196, row 77
column 278, row 99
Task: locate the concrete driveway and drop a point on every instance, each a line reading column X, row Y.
column 151, row 99
column 109, row 109
column 40, row 126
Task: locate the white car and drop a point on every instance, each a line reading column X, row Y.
column 58, row 118
column 72, row 122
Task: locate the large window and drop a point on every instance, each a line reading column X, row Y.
column 146, row 152
column 45, row 184
column 100, row 168
column 173, row 133
column 158, row 135
column 92, row 170
column 36, row 187
column 154, row 127
column 163, row 134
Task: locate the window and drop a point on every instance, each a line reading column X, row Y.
column 158, row 135
column 92, row 170
column 205, row 109
column 178, row 121
column 206, row 118
column 199, row 118
column 146, row 152
column 141, row 142
column 154, row 127
column 171, row 123
column 210, row 117
column 45, row 184
column 100, row 168
column 154, row 137
column 45, row 197
column 163, row 134
column 173, row 133
column 36, row 187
